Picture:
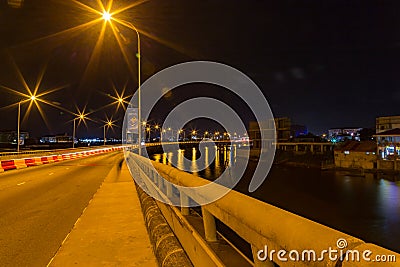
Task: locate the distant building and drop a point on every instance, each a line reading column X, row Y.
column 283, row 129
column 343, row 134
column 388, row 144
column 255, row 129
column 8, row 138
column 356, row 155
column 56, row 139
column 387, row 123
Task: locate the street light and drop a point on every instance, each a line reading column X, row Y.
column 171, row 134
column 180, row 131
column 31, row 98
column 157, row 127
column 81, row 117
column 108, row 124
column 163, row 133
column 107, row 17
column 148, row 133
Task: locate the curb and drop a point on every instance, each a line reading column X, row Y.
column 168, row 250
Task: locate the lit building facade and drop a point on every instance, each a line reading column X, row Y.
column 343, row 134
column 389, row 144
column 387, row 123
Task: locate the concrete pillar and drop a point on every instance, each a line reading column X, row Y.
column 297, row 148
column 210, row 229
column 184, row 203
column 259, row 263
column 322, row 148
column 312, row 148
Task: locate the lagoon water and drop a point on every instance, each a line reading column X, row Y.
column 364, row 207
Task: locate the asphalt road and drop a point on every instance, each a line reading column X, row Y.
column 39, row 206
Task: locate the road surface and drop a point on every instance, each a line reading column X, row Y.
column 39, row 206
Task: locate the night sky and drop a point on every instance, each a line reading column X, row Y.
column 322, row 63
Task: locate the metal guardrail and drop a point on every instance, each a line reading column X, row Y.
column 266, row 228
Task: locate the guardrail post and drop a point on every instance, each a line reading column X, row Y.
column 184, row 203
column 259, row 263
column 169, row 190
column 154, row 177
column 210, row 229
column 160, row 182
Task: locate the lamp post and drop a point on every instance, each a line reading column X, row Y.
column 148, row 133
column 131, row 26
column 107, row 17
column 108, row 124
column 172, row 134
column 18, row 122
column 178, row 134
column 32, row 98
column 157, row 127
column 80, row 117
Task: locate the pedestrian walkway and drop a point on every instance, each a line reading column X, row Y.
column 111, row 230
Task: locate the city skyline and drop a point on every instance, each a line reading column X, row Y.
column 324, row 65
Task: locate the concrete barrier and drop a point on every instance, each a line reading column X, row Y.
column 20, row 163
column 167, row 248
column 13, row 164
column 8, row 165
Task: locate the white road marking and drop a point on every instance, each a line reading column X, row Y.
column 51, row 173
column 21, row 183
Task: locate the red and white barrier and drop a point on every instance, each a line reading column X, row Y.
column 13, row 164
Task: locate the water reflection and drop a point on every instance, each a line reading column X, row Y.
column 365, row 207
column 179, row 163
column 193, row 167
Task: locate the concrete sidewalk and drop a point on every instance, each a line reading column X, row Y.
column 111, row 230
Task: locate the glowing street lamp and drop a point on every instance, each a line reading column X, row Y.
column 148, row 133
column 157, row 127
column 108, row 17
column 31, row 98
column 108, row 125
column 180, row 131
column 80, row 117
column 163, row 133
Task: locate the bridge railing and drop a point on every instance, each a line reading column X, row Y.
column 275, row 235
